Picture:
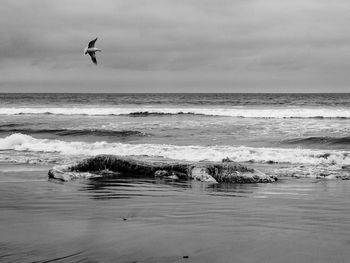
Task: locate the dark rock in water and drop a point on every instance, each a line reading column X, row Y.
column 325, row 155
column 140, row 166
column 226, row 160
column 170, row 175
column 161, row 173
column 322, row 175
column 346, row 167
column 62, row 173
column 271, row 162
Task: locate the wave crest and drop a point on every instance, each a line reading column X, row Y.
column 74, row 132
column 320, row 140
column 343, row 113
column 22, row 142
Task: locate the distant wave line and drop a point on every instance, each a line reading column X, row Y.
column 319, row 113
column 72, row 132
column 320, row 140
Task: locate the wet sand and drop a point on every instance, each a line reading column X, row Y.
column 152, row 220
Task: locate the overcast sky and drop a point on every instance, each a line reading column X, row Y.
column 175, row 45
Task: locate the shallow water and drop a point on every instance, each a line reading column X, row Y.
column 293, row 220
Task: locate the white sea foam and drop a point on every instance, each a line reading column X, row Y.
column 21, row 142
column 231, row 112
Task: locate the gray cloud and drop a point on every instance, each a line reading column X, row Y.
column 169, row 46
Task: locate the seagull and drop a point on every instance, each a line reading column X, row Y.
column 91, row 50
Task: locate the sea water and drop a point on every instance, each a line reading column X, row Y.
column 311, row 131
column 304, row 139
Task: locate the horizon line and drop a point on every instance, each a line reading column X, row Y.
column 174, row 92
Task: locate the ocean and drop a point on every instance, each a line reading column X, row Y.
column 309, row 133
column 303, row 139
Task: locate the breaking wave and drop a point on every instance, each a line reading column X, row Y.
column 228, row 112
column 26, row 143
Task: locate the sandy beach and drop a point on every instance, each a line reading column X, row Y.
column 154, row 220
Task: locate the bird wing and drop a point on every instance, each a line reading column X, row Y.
column 92, row 43
column 93, row 57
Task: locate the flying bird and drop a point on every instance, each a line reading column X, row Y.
column 91, row 50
